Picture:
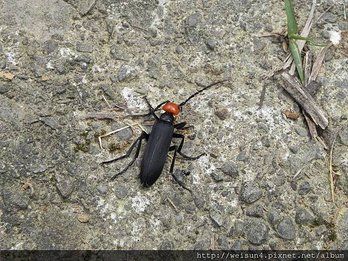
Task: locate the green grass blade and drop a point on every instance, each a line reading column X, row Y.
column 307, row 39
column 292, row 24
column 292, row 32
column 296, row 55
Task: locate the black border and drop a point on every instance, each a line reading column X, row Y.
column 168, row 255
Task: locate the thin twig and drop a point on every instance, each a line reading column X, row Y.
column 298, row 173
column 307, row 65
column 262, row 97
column 318, row 63
column 106, row 101
column 305, row 99
column 307, row 72
column 173, row 205
column 118, row 130
column 331, row 172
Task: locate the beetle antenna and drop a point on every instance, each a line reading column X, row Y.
column 206, row 87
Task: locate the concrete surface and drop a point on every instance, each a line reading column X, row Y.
column 264, row 184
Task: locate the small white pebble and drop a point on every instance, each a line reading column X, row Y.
column 335, row 37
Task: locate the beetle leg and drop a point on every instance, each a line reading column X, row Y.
column 182, row 137
column 180, row 125
column 153, row 110
column 171, row 170
column 137, row 143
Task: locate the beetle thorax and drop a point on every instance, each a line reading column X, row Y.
column 167, row 117
column 172, row 108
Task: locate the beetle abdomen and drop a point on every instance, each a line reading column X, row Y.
column 155, row 153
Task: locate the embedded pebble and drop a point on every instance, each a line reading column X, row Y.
column 222, row 114
column 193, row 20
column 103, row 189
column 211, row 44
column 273, row 217
column 303, row 216
column 121, row 191
column 257, row 232
column 4, row 88
column 84, row 47
column 237, row 229
column 83, row 218
column 255, row 211
column 65, row 186
column 250, row 193
column 301, row 131
column 216, row 216
column 343, row 134
column 304, row 188
column 230, row 168
column 286, row 229
column 15, row 199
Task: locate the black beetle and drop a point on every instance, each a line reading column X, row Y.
column 159, row 142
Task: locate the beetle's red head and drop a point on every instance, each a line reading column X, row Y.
column 172, row 108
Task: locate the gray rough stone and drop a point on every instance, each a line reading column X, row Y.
column 237, row 229
column 343, row 134
column 223, row 242
column 119, row 53
column 179, row 49
column 50, row 46
column 121, row 191
column 320, row 230
column 199, row 201
column 266, row 142
column 343, row 25
column 255, row 210
column 240, row 245
column 125, row 72
column 217, row 177
column 250, row 193
column 342, row 228
column 84, row 47
column 343, row 180
column 242, row 156
column 294, row 148
column 216, row 216
column 103, row 189
column 301, row 131
column 257, row 232
column 211, row 44
column 286, row 229
column 85, row 6
column 51, row 122
column 65, row 186
column 304, row 188
column 303, row 217
column 329, row 17
column 222, row 113
column 123, row 135
column 4, row 88
column 166, row 245
column 230, row 169
column 273, row 217
column 15, row 200
column 193, row 20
